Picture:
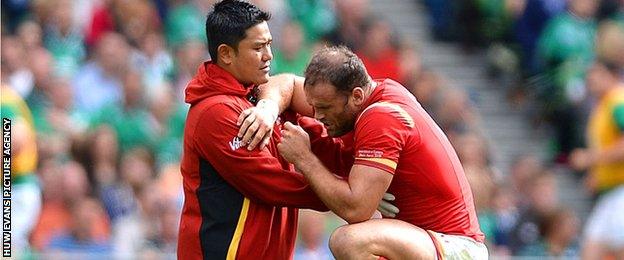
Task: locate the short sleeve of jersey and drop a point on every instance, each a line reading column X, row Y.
column 618, row 115
column 380, row 135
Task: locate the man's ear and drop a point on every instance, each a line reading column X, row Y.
column 357, row 94
column 225, row 53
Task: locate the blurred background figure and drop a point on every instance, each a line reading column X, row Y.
column 378, row 52
column 66, row 187
column 184, row 21
column 25, row 190
column 99, row 81
column 352, row 15
column 317, row 18
column 566, row 49
column 427, row 87
column 313, row 243
column 558, row 232
column 293, row 54
column 153, row 60
column 15, row 69
column 603, row 159
column 543, row 200
column 81, row 238
column 63, row 37
column 189, row 55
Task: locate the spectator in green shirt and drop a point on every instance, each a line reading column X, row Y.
column 566, row 50
column 566, row 47
column 169, row 114
column 316, row 17
column 64, row 39
column 292, row 55
column 185, row 21
column 129, row 118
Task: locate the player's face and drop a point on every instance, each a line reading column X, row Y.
column 251, row 63
column 334, row 109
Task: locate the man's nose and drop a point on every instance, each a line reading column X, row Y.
column 268, row 55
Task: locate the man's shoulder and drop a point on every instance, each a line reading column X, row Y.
column 617, row 95
column 214, row 119
column 216, row 112
column 218, row 105
column 386, row 112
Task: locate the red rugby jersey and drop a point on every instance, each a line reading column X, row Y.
column 395, row 134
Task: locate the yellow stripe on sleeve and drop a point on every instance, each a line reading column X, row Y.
column 384, row 161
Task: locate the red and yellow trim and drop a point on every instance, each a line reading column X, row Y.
column 379, row 163
column 238, row 232
column 387, row 162
column 438, row 246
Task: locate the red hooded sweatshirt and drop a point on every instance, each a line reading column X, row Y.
column 239, row 204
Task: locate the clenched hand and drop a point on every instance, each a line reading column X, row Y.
column 295, row 143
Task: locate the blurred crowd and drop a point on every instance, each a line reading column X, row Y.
column 104, row 83
column 562, row 62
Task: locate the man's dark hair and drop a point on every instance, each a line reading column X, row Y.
column 337, row 66
column 228, row 21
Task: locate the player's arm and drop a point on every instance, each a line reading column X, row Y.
column 582, row 159
column 354, row 199
column 287, row 91
column 257, row 174
column 22, row 134
column 282, row 92
column 612, row 154
column 377, row 148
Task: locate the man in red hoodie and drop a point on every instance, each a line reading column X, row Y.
column 239, row 203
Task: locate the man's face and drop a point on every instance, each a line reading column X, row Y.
column 250, row 65
column 595, row 79
column 583, row 8
column 332, row 108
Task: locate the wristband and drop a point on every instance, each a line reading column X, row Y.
column 270, row 106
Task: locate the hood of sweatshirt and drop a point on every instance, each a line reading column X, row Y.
column 212, row 80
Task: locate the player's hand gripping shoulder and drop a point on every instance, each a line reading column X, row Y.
column 256, row 124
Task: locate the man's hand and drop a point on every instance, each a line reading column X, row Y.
column 581, row 159
column 295, row 143
column 256, row 124
column 386, row 208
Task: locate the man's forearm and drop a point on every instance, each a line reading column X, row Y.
column 336, row 193
column 279, row 89
column 287, row 91
column 612, row 154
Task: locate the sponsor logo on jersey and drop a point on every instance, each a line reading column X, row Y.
column 369, row 154
column 236, row 143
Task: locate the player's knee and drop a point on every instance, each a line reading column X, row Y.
column 341, row 240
